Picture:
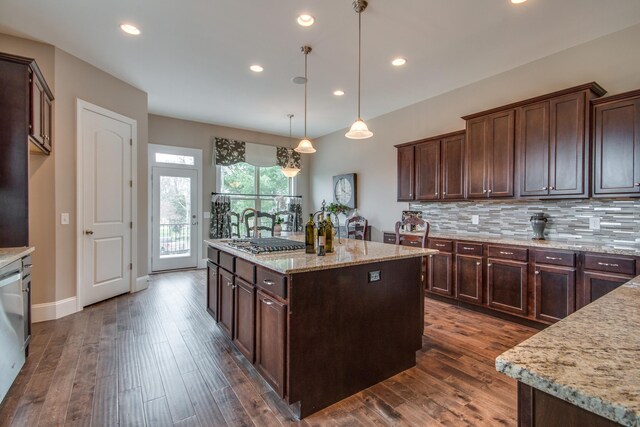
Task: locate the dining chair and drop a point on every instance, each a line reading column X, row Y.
column 412, row 220
column 356, row 227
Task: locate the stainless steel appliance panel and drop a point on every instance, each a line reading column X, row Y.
column 11, row 325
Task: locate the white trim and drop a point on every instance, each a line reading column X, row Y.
column 203, row 263
column 152, row 149
column 142, row 283
column 54, row 310
column 84, row 105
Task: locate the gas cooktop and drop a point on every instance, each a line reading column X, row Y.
column 265, row 245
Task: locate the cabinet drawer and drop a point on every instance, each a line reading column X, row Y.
column 516, row 254
column 469, row 248
column 414, row 241
column 609, row 263
column 227, row 261
column 441, row 245
column 272, row 282
column 568, row 259
column 246, row 270
column 389, row 238
column 212, row 254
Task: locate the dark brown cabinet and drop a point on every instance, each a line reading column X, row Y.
column 469, row 278
column 225, row 307
column 41, row 111
column 212, row 289
column 616, row 147
column 507, row 285
column 406, row 173
column 439, row 272
column 427, row 158
column 270, row 340
column 597, row 285
column 452, row 149
column 555, row 292
column 490, row 155
column 244, row 318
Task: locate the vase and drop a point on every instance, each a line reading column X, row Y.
column 277, row 230
column 538, row 222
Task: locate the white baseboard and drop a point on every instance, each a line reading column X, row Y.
column 202, row 263
column 142, row 283
column 53, row 310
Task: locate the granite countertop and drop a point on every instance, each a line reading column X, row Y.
column 8, row 255
column 544, row 244
column 349, row 252
column 589, row 359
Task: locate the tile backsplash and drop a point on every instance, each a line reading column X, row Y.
column 568, row 220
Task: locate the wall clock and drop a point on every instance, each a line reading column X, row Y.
column 345, row 189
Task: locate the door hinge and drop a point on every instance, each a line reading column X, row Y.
column 131, row 225
column 130, row 266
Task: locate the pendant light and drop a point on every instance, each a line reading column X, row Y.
column 305, row 146
column 359, row 129
column 290, row 170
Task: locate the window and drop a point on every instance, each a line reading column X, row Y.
column 175, row 159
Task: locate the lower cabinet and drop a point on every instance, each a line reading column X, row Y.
column 597, row 285
column 507, row 285
column 212, row 290
column 271, row 324
column 244, row 318
column 469, row 278
column 555, row 292
column 225, row 307
column 439, row 272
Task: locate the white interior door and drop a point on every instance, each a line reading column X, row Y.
column 174, row 218
column 106, row 206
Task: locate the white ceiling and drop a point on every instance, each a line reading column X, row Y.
column 193, row 56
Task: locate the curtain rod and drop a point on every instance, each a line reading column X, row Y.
column 254, row 195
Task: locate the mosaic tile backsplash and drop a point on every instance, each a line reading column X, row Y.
column 568, row 220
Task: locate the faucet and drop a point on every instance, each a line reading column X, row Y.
column 255, row 221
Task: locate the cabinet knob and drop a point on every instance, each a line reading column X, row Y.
column 484, row 191
column 444, row 193
column 228, row 283
column 436, row 194
column 489, row 191
column 637, row 184
column 552, row 188
column 537, row 272
column 478, row 263
column 545, row 188
column 489, row 265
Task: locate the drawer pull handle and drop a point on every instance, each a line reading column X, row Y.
column 606, row 264
column 554, row 258
column 268, row 282
column 438, row 245
column 506, row 253
column 467, row 248
column 267, row 302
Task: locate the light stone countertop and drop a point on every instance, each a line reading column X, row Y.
column 350, row 252
column 8, row 255
column 590, row 359
column 543, row 244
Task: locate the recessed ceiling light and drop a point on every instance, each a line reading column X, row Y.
column 398, row 62
column 306, row 20
column 256, row 68
column 338, row 92
column 518, row 1
column 130, row 29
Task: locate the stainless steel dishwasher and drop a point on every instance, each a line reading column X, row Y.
column 12, row 343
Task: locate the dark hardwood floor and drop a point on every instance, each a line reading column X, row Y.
column 157, row 358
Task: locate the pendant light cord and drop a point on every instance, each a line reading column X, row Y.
column 306, row 53
column 359, row 57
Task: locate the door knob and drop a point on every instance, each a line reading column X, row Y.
column 88, row 232
column 637, row 184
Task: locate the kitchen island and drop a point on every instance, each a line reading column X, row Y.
column 319, row 329
column 582, row 371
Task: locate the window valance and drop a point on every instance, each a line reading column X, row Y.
column 230, row 151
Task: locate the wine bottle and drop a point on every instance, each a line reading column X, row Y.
column 321, row 236
column 328, row 229
column 309, row 236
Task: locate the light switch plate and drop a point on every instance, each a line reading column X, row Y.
column 475, row 219
column 594, row 223
column 64, row 218
column 206, row 214
column 374, row 276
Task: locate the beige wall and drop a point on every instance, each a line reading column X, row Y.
column 612, row 61
column 183, row 133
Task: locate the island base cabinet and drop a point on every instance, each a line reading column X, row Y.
column 271, row 325
column 597, row 285
column 469, row 278
column 225, row 307
column 244, row 318
column 212, row 290
column 539, row 409
column 439, row 270
column 555, row 296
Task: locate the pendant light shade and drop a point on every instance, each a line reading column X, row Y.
column 359, row 129
column 290, row 170
column 305, row 146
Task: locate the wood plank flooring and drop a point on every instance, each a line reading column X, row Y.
column 157, row 358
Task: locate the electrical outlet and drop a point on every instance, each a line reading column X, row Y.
column 206, row 214
column 475, row 219
column 594, row 223
column 64, row 218
column 374, row 276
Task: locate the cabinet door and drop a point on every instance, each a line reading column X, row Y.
column 555, row 295
column 225, row 306
column 567, row 142
column 35, row 119
column 500, row 154
column 212, row 290
column 47, row 120
column 597, row 285
column 507, row 285
column 617, row 148
column 405, row 173
column 244, row 318
column 469, row 278
column 427, row 170
column 453, row 167
column 271, row 323
column 439, row 274
column 475, row 157
column 533, row 141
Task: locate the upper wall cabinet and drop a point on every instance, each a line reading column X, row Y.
column 40, row 112
column 490, row 155
column 616, row 163
column 432, row 169
column 552, row 139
